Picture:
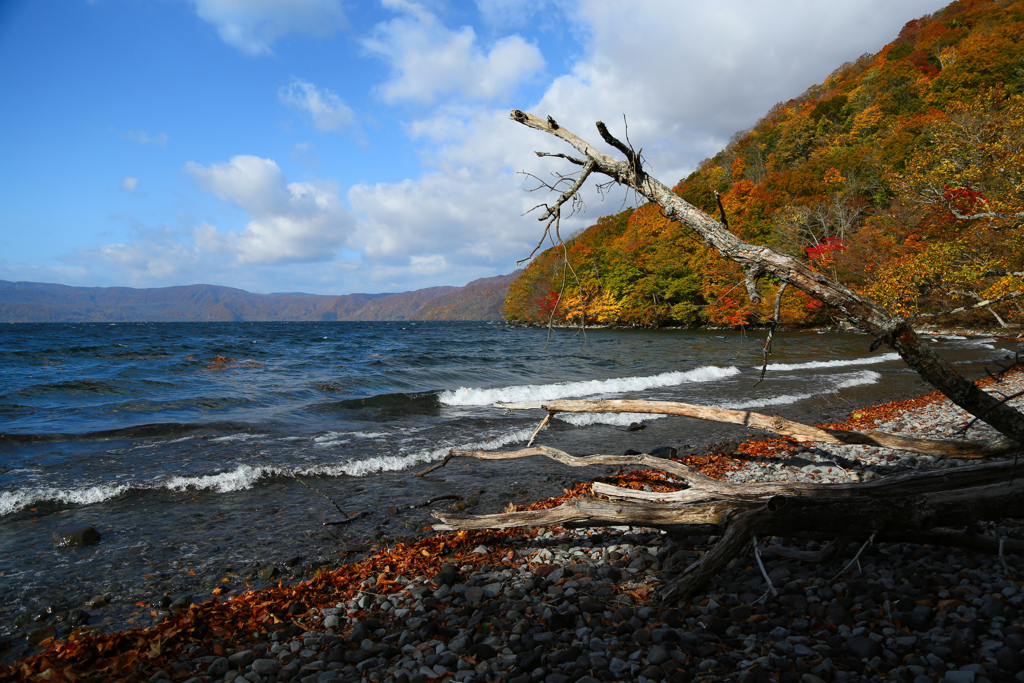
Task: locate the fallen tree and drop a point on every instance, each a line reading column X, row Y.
column 918, row 505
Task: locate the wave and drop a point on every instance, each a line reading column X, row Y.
column 245, row 476
column 173, row 429
column 401, row 403
column 852, row 380
column 13, row 501
column 394, row 463
column 548, row 392
column 616, row 419
column 814, row 365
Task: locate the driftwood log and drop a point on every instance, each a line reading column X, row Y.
column 925, row 506
column 919, row 506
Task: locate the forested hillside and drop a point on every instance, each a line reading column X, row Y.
column 902, row 175
column 36, row 302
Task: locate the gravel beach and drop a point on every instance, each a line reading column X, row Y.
column 565, row 606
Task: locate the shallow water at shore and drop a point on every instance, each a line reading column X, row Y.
column 162, row 540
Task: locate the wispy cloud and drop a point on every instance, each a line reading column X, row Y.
column 326, row 110
column 130, row 184
column 253, row 26
column 144, row 138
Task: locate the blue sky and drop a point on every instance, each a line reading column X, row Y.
column 333, row 146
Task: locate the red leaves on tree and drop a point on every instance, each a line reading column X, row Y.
column 827, row 246
column 962, row 199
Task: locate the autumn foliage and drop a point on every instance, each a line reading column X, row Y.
column 902, row 175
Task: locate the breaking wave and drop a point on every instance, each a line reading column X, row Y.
column 814, row 365
column 245, row 476
column 838, row 382
column 548, row 392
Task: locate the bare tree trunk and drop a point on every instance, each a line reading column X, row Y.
column 859, row 311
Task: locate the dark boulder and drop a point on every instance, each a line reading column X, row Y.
column 75, row 535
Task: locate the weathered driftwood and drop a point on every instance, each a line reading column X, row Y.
column 906, row 507
column 777, row 425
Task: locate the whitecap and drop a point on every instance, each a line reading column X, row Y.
column 851, row 380
column 617, row 419
column 814, row 365
column 394, row 463
column 467, row 396
column 238, row 479
column 13, row 501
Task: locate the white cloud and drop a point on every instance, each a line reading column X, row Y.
column 326, row 110
column 429, row 60
column 252, row 26
column 129, row 184
column 686, row 74
column 291, row 222
column 144, row 138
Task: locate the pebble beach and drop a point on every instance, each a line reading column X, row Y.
column 564, row 606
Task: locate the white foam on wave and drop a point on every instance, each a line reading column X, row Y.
column 394, row 463
column 814, row 365
column 851, row 380
column 238, row 437
column 246, row 476
column 13, row 501
column 467, row 396
column 617, row 419
column 238, row 479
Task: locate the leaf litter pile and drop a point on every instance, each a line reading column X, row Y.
column 220, row 626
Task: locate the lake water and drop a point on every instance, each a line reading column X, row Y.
column 179, row 441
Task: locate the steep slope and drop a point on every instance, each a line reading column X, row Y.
column 901, row 174
column 479, row 300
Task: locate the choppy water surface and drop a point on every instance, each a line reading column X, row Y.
column 173, row 438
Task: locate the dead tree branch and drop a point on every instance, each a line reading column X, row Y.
column 779, row 425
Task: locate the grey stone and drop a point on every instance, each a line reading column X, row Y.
column 75, row 535
column 862, row 647
column 241, row 659
column 658, row 655
column 218, row 667
column 266, row 667
column 1009, row 659
column 38, row 635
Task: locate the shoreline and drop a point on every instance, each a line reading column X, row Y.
column 506, row 608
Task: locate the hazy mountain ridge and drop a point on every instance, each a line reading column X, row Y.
column 43, row 302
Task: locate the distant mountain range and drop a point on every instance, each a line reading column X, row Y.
column 39, row 302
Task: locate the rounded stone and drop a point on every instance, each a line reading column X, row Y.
column 266, row 667
column 75, row 535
